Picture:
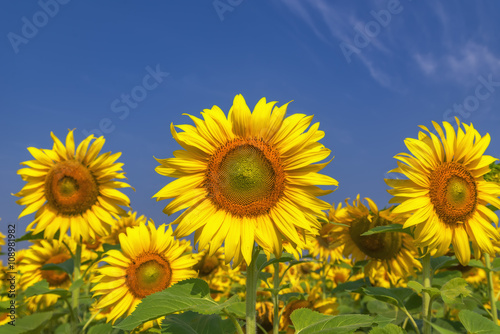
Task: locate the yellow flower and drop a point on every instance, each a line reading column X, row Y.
column 393, row 251
column 120, row 226
column 151, row 260
column 44, row 252
column 445, row 192
column 314, row 301
column 246, row 178
column 325, row 246
column 72, row 191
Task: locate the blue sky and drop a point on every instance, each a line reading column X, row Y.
column 370, row 72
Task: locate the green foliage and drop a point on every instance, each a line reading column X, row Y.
column 454, row 291
column 42, row 288
column 475, row 323
column 101, row 329
column 307, row 321
column 66, row 266
column 389, row 329
column 191, row 322
column 189, row 295
column 27, row 324
column 393, row 296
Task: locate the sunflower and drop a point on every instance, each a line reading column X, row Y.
column 69, row 190
column 120, row 226
column 393, row 251
column 151, row 260
column 40, row 253
column 445, row 192
column 325, row 246
column 313, row 299
column 245, row 178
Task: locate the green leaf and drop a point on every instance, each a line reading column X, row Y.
column 444, row 277
column 108, row 247
column 388, row 329
column 42, row 288
column 64, row 329
column 188, row 295
column 76, row 284
column 100, row 329
column 394, row 296
column 307, row 321
column 475, row 323
column 386, row 228
column 453, row 291
column 237, row 309
column 285, row 257
column 440, row 329
column 477, row 264
column 38, row 236
column 66, row 266
column 27, row 323
column 416, row 286
column 194, row 323
column 442, row 262
column 350, row 286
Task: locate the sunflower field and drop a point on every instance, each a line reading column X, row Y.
column 268, row 254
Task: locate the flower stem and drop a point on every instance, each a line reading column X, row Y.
column 76, row 292
column 276, row 298
column 251, row 294
column 491, row 292
column 426, row 298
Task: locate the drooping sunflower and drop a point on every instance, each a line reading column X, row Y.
column 445, row 192
column 71, row 190
column 393, row 251
column 151, row 260
column 248, row 177
column 325, row 246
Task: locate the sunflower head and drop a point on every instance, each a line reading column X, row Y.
column 445, row 193
column 245, row 178
column 393, row 251
column 72, row 190
column 40, row 253
column 151, row 260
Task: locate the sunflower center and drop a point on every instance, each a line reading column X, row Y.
column 93, row 244
column 148, row 273
column 326, row 241
column 453, row 192
column 56, row 277
column 245, row 177
column 70, row 188
column 381, row 246
column 207, row 265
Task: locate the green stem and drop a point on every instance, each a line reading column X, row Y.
column 76, row 292
column 235, row 322
column 90, row 320
column 276, row 298
column 411, row 319
column 251, row 294
column 491, row 292
column 426, row 298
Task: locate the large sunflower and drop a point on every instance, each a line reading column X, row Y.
column 445, row 191
column 393, row 251
column 151, row 260
column 69, row 190
column 245, row 178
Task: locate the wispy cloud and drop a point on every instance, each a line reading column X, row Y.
column 333, row 23
column 460, row 63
